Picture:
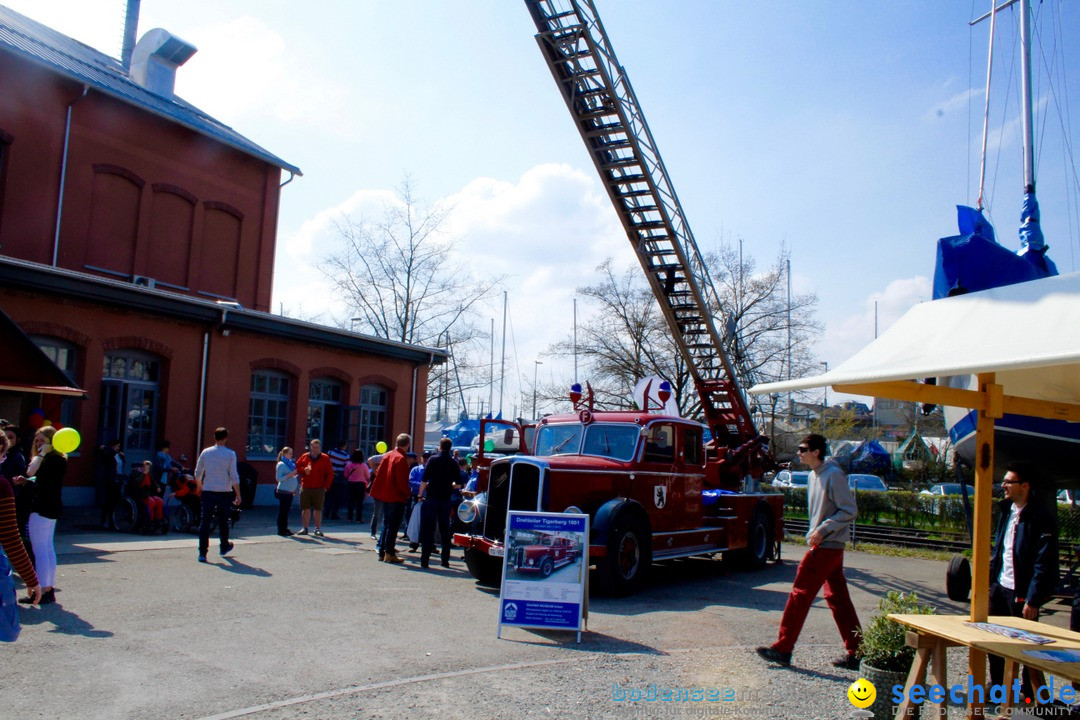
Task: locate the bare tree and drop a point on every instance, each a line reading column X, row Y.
column 627, row 339
column 398, row 277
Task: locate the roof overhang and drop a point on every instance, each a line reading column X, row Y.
column 32, row 277
column 1024, row 334
column 25, row 368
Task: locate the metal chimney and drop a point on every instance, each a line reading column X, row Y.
column 131, row 29
column 155, row 59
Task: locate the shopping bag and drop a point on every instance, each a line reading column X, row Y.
column 413, row 530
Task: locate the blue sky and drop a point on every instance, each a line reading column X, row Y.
column 848, row 130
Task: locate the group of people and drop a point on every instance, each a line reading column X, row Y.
column 1023, row 566
column 400, row 483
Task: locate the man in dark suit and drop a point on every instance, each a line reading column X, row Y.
column 1024, row 564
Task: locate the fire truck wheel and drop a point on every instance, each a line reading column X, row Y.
column 629, row 555
column 759, row 542
column 486, row 569
column 546, row 567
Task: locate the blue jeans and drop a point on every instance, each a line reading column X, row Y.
column 219, row 505
column 376, row 518
column 392, row 513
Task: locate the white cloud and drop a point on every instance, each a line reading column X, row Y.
column 546, row 233
column 848, row 334
column 245, row 69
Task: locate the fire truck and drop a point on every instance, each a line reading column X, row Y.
column 653, row 488
column 544, row 555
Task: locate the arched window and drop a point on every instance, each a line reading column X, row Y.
column 65, row 356
column 325, row 418
column 372, row 427
column 130, row 389
column 268, row 413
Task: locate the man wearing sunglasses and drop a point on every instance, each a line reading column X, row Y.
column 1024, row 564
column 832, row 509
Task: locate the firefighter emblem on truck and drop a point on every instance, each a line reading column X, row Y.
column 660, row 496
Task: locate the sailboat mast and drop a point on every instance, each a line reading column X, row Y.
column 1025, row 91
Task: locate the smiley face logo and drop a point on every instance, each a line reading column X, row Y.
column 862, row 693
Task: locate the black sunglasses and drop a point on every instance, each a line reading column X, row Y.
column 803, row 448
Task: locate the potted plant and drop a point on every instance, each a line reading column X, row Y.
column 886, row 656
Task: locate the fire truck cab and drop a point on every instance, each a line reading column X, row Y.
column 645, row 481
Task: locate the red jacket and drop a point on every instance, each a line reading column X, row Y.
column 392, row 478
column 322, row 472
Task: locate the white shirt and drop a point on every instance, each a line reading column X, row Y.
column 1006, row 579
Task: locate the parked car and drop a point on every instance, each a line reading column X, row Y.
column 948, row 489
column 791, row 479
column 866, row 483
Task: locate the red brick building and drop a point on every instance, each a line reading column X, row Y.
column 137, row 239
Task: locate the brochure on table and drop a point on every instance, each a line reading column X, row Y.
column 544, row 571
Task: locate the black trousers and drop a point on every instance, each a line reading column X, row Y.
column 1003, row 602
column 356, row 501
column 285, row 501
column 219, row 505
column 434, row 513
column 110, row 495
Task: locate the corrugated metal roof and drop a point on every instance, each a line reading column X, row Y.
column 69, row 57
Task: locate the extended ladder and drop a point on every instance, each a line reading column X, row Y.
column 601, row 100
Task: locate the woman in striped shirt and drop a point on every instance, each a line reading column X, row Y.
column 9, row 534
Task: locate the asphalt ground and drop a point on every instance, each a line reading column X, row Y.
column 318, row 628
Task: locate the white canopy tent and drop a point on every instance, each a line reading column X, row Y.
column 1021, row 342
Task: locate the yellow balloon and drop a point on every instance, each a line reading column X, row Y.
column 66, row 440
column 46, row 423
column 380, row 446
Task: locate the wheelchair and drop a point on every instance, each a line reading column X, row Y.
column 131, row 514
column 184, row 512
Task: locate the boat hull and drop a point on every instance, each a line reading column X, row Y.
column 1052, row 445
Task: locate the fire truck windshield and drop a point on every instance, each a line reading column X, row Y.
column 615, row 441
column 558, row 439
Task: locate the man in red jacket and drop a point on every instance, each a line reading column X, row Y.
column 391, row 488
column 316, row 477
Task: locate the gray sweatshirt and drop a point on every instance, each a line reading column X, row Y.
column 831, row 505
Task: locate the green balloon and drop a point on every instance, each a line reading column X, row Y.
column 489, row 445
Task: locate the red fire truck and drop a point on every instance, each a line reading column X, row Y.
column 544, row 555
column 652, row 487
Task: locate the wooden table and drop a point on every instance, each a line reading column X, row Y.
column 931, row 634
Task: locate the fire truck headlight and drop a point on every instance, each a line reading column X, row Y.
column 573, row 509
column 468, row 512
column 532, row 561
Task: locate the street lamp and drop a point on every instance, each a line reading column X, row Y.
column 536, row 364
column 825, row 406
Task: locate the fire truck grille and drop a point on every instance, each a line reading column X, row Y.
column 513, row 486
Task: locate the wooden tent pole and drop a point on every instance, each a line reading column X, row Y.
column 984, row 487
